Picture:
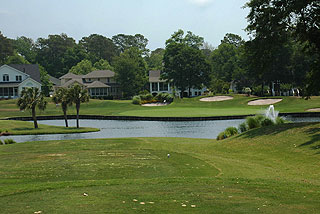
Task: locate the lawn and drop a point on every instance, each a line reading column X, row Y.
column 187, row 107
column 269, row 170
column 27, row 128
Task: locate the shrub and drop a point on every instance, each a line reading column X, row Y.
column 267, row 122
column 136, row 100
column 164, row 97
column 221, row 136
column 230, row 131
column 147, row 97
column 252, row 122
column 9, row 141
column 280, row 120
column 1, row 143
column 243, row 127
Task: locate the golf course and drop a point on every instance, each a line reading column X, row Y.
column 273, row 169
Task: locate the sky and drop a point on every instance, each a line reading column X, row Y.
column 157, row 20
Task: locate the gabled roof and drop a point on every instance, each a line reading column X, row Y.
column 54, row 80
column 71, row 76
column 70, row 82
column 97, row 84
column 99, row 74
column 154, row 76
column 31, row 69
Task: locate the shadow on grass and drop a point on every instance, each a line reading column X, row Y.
column 23, row 129
column 272, row 130
column 315, row 138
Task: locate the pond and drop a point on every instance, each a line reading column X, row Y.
column 123, row 129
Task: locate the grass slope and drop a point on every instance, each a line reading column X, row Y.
column 269, row 170
column 188, row 107
column 27, row 128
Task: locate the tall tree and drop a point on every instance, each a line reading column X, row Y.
column 185, row 65
column 30, row 99
column 155, row 60
column 77, row 96
column 271, row 20
column 6, row 48
column 50, row 53
column 26, row 48
column 124, row 42
column 131, row 72
column 102, row 65
column 16, row 59
column 63, row 97
column 99, row 47
column 83, row 67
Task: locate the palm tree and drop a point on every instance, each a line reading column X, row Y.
column 30, row 99
column 78, row 96
column 62, row 96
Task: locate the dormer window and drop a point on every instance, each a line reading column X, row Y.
column 5, row 78
column 19, row 78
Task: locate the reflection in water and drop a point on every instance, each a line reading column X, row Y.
column 122, row 129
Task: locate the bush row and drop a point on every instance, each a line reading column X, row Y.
column 148, row 98
column 250, row 123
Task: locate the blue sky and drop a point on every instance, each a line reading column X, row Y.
column 155, row 19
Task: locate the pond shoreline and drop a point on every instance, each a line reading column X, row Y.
column 137, row 118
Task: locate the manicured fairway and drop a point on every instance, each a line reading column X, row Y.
column 187, row 107
column 27, row 128
column 270, row 170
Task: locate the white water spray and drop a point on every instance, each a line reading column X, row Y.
column 271, row 113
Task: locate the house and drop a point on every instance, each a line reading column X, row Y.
column 14, row 78
column 158, row 85
column 100, row 83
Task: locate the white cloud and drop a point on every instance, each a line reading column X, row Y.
column 201, row 3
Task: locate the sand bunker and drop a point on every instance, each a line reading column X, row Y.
column 314, row 110
column 155, row 104
column 216, row 99
column 262, row 102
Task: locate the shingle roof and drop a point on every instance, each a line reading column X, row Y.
column 99, row 74
column 70, row 82
column 154, row 76
column 97, row 84
column 54, row 80
column 71, row 76
column 30, row 69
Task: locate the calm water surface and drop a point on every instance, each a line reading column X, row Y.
column 122, row 128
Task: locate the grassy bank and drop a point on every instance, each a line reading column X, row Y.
column 27, row 128
column 187, row 107
column 269, row 170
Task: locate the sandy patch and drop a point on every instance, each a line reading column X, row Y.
column 262, row 102
column 314, row 110
column 155, row 104
column 8, row 110
column 216, row 99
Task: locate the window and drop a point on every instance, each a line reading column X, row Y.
column 108, row 79
column 5, row 78
column 163, row 86
column 154, row 86
column 18, row 78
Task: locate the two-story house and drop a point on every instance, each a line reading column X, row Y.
column 158, row 85
column 13, row 78
column 100, row 83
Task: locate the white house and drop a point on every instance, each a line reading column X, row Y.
column 13, row 78
column 157, row 85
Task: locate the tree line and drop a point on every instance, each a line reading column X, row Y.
column 282, row 53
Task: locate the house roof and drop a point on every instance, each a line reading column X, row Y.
column 9, row 84
column 71, row 76
column 54, row 80
column 31, row 69
column 99, row 74
column 97, row 84
column 70, row 82
column 154, row 76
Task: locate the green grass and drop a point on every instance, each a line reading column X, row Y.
column 187, row 107
column 269, row 170
column 27, row 128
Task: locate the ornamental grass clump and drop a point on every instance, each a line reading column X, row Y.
column 230, row 131
column 136, row 100
column 9, row 141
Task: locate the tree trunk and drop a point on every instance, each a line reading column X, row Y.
column 65, row 118
column 78, row 108
column 262, row 91
column 34, row 118
column 189, row 92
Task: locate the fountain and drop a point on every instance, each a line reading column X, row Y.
column 271, row 113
